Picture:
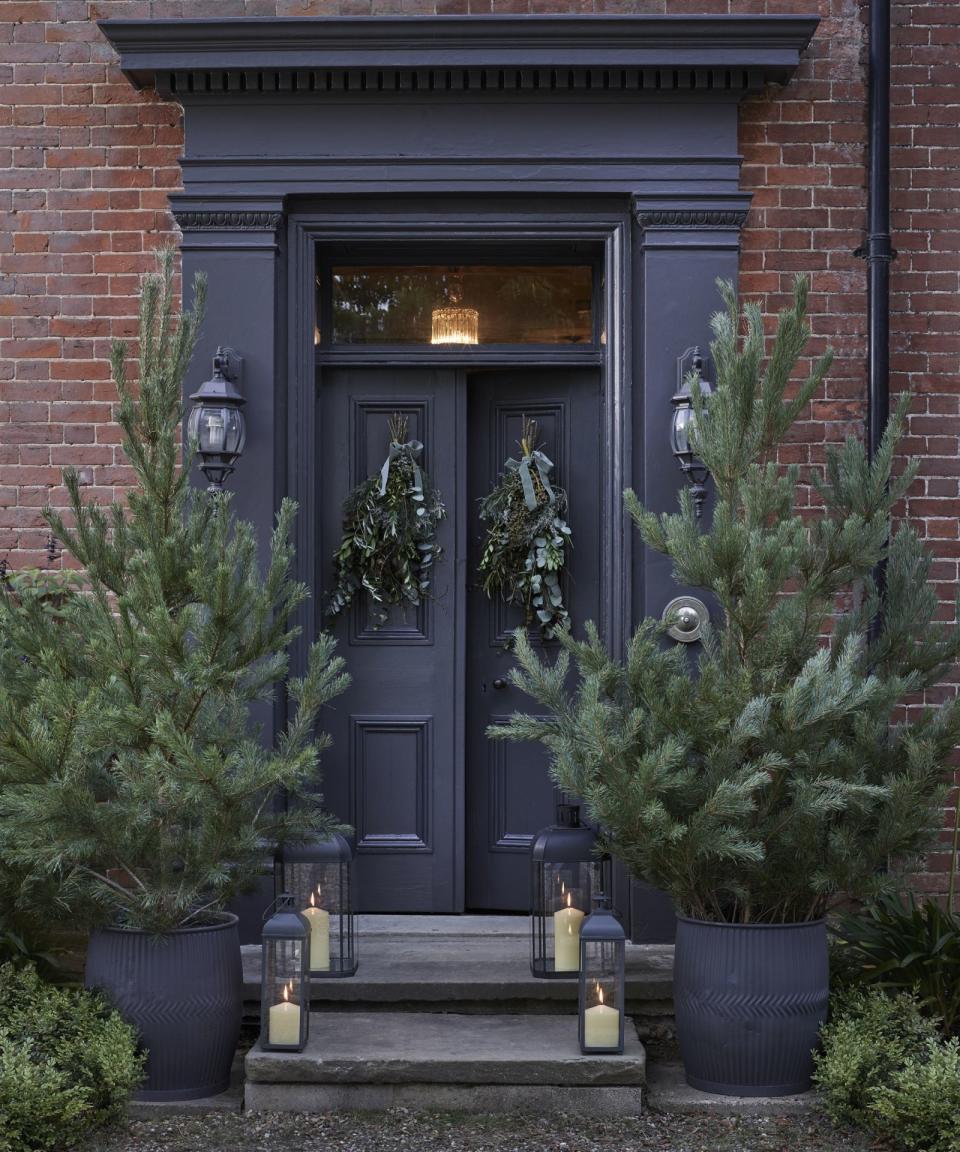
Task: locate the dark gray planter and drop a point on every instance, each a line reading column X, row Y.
column 183, row 992
column 749, row 1002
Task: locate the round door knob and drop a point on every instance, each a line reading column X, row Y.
column 687, row 619
column 499, row 684
column 688, row 615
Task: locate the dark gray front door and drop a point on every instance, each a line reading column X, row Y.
column 444, row 817
column 392, row 770
column 509, row 793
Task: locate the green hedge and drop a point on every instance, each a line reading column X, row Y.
column 68, row 1063
column 885, row 1067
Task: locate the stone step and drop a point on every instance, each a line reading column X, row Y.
column 433, row 1060
column 471, row 964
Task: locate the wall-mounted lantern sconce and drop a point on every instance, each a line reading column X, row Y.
column 216, row 424
column 684, row 422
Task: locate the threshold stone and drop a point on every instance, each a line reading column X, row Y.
column 444, row 1060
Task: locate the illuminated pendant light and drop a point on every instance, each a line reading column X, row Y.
column 455, row 326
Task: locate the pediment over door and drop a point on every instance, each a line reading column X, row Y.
column 638, row 104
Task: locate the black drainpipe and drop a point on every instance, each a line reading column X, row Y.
column 878, row 249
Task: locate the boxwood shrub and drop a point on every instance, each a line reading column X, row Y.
column 885, row 1067
column 68, row 1063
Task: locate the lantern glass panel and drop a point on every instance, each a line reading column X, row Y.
column 683, row 419
column 218, row 429
column 285, row 1006
column 602, row 995
column 564, row 892
column 320, row 880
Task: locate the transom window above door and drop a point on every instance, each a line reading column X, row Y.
column 432, row 305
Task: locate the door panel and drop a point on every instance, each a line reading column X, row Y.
column 391, row 772
column 508, row 789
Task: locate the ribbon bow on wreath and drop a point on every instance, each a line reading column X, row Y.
column 411, row 450
column 535, row 459
column 390, row 523
column 527, row 537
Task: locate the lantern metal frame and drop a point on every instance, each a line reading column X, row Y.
column 566, row 871
column 285, row 931
column 690, row 366
column 327, row 865
column 603, row 946
column 219, row 398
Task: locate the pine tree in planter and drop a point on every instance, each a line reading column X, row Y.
column 776, row 775
column 129, row 770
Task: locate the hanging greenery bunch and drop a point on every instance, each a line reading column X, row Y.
column 390, row 524
column 527, row 537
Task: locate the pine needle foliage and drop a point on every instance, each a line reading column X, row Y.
column 764, row 777
column 130, row 772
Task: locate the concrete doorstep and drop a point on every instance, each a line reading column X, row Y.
column 445, row 1061
column 430, row 967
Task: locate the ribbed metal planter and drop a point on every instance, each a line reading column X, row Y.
column 749, row 1001
column 183, row 992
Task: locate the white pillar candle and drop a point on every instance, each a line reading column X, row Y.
column 284, row 1027
column 319, row 921
column 566, row 938
column 601, row 1025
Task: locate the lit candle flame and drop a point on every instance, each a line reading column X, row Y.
column 569, row 899
column 313, row 902
column 600, row 992
column 285, row 993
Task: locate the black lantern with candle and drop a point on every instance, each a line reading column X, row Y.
column 602, row 981
column 285, row 979
column 566, row 873
column 320, row 878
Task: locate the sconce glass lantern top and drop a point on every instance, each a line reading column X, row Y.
column 320, row 879
column 285, row 979
column 602, row 981
column 684, row 424
column 455, row 326
column 216, row 423
column 566, row 876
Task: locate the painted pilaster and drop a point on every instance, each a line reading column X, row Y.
column 679, row 254
column 240, row 250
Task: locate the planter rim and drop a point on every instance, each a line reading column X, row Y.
column 726, row 924
column 226, row 920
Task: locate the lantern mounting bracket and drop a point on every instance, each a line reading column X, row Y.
column 229, row 363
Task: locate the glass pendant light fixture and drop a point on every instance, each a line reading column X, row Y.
column 454, row 324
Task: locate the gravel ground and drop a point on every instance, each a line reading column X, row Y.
column 402, row 1131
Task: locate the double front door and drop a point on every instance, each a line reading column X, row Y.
column 443, row 815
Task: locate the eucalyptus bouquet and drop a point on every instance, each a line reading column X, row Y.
column 389, row 547
column 525, row 551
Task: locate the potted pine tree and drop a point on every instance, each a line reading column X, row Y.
column 774, row 772
column 130, row 773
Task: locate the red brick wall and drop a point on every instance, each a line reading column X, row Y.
column 86, row 162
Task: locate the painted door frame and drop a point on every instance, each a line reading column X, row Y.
column 619, row 129
column 606, row 230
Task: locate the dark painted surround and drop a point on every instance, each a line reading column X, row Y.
column 618, row 134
